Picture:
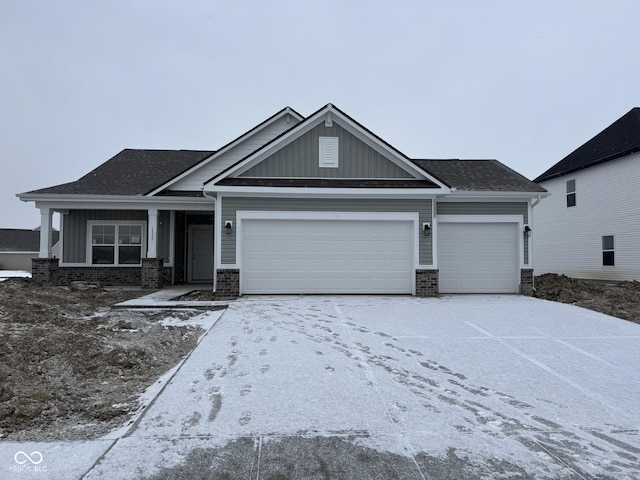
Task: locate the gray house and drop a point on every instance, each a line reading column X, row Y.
column 18, row 246
column 295, row 205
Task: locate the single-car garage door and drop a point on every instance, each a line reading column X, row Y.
column 478, row 257
column 326, row 256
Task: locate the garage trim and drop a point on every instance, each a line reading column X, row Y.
column 241, row 216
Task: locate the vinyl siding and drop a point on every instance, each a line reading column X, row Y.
column 230, row 205
column 196, row 179
column 489, row 208
column 74, row 226
column 300, row 158
column 568, row 240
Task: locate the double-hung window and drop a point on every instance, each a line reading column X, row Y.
column 571, row 193
column 116, row 244
column 608, row 253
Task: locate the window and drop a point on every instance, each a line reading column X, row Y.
column 116, row 244
column 571, row 193
column 328, row 152
column 608, row 255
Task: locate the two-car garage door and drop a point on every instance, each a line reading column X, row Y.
column 327, row 256
column 478, row 257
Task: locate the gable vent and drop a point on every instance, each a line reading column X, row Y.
column 328, row 152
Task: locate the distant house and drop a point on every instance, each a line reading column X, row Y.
column 294, row 205
column 19, row 246
column 589, row 227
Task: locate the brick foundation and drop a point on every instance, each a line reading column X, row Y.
column 526, row 281
column 45, row 270
column 227, row 283
column 151, row 273
column 103, row 276
column 427, row 283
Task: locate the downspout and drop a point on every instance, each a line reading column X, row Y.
column 215, row 235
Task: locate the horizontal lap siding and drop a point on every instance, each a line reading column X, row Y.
column 230, row 205
column 300, row 158
column 568, row 240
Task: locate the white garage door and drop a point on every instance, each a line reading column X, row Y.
column 326, row 256
column 478, row 257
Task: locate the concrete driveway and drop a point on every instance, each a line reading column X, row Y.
column 457, row 387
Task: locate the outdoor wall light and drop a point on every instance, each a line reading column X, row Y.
column 527, row 230
column 228, row 226
column 426, row 229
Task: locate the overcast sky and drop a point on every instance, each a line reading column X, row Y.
column 523, row 82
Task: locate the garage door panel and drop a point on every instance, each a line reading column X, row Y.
column 327, row 256
column 478, row 257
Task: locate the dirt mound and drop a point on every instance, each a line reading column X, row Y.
column 70, row 368
column 619, row 299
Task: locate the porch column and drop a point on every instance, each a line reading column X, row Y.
column 152, row 244
column 45, row 232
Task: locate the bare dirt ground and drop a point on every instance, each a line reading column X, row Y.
column 71, row 368
column 618, row 299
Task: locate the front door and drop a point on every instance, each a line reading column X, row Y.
column 200, row 255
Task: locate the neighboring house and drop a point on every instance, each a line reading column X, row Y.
column 295, row 205
column 589, row 227
column 19, row 246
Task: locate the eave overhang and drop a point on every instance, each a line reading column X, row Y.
column 117, row 202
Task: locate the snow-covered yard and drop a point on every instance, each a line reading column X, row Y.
column 4, row 274
column 377, row 387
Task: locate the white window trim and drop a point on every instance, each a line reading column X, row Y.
column 572, row 192
column 612, row 250
column 143, row 245
column 332, row 161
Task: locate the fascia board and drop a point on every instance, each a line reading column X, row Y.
column 328, row 192
column 229, row 146
column 88, row 202
column 465, row 196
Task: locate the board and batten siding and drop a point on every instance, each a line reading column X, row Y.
column 568, row 240
column 195, row 180
column 230, row 205
column 489, row 208
column 75, row 233
column 300, row 158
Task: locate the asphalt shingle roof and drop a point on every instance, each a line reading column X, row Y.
column 478, row 176
column 131, row 172
column 619, row 139
column 20, row 240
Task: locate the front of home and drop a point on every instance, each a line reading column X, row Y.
column 589, row 226
column 295, row 205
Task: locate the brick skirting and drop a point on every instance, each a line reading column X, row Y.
column 227, row 283
column 151, row 273
column 47, row 270
column 427, row 283
column 526, row 281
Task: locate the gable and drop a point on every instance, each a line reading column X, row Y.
column 301, row 158
column 238, row 149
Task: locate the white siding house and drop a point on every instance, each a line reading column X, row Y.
column 589, row 227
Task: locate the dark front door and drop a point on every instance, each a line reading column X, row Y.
column 200, row 255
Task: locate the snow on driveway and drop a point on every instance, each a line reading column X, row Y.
column 473, row 386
